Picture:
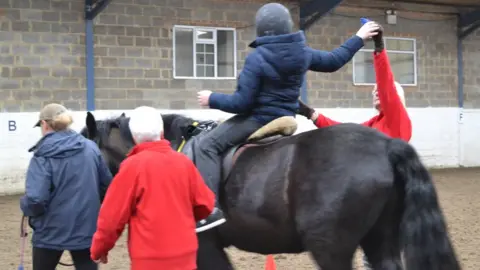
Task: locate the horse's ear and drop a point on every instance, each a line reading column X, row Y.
column 91, row 125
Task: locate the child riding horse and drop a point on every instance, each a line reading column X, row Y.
column 267, row 89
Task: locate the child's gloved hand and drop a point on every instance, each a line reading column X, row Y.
column 203, row 97
column 305, row 110
column 368, row 30
column 378, row 40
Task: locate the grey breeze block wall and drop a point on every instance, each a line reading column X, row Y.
column 42, row 54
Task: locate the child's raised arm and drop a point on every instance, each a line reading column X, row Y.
column 323, row 61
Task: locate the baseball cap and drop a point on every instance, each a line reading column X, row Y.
column 50, row 112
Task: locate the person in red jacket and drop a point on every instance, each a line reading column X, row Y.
column 388, row 99
column 160, row 194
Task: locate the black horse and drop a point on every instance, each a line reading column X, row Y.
column 326, row 191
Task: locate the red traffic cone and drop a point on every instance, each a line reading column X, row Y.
column 270, row 263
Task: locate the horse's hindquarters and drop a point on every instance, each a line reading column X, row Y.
column 256, row 202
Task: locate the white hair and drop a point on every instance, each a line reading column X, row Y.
column 400, row 92
column 146, row 124
column 399, row 89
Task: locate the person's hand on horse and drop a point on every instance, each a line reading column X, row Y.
column 203, row 97
column 103, row 259
column 378, row 40
column 368, row 30
column 305, row 110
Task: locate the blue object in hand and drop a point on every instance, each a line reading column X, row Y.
column 364, row 20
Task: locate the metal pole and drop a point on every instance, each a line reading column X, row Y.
column 460, row 71
column 90, row 65
column 303, row 90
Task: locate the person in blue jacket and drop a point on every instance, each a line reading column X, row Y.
column 66, row 178
column 268, row 88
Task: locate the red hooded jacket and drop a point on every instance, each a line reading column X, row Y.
column 161, row 195
column 393, row 120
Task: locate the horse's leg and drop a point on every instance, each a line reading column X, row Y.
column 381, row 245
column 382, row 249
column 328, row 255
column 330, row 247
column 211, row 253
column 331, row 219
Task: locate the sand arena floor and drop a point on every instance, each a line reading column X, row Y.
column 459, row 191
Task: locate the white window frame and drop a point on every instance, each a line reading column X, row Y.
column 206, row 41
column 414, row 52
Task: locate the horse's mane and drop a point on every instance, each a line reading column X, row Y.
column 174, row 125
column 176, row 121
column 105, row 126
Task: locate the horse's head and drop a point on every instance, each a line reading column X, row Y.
column 114, row 139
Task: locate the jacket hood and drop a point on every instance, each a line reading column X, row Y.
column 59, row 144
column 284, row 54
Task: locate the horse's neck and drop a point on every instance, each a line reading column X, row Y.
column 125, row 132
column 173, row 125
column 176, row 121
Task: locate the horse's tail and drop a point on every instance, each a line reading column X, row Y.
column 424, row 234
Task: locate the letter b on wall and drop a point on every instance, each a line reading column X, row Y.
column 12, row 125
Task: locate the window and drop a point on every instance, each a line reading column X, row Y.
column 204, row 52
column 403, row 60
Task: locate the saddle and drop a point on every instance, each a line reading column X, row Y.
column 270, row 133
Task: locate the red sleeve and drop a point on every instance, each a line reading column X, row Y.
column 323, row 121
column 395, row 114
column 116, row 210
column 203, row 199
column 370, row 122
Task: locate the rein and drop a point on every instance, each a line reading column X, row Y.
column 23, row 239
column 184, row 141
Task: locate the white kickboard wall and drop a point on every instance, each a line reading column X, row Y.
column 444, row 137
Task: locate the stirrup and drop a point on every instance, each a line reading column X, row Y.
column 209, row 226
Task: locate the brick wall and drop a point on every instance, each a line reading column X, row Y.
column 436, row 59
column 42, row 54
column 134, row 50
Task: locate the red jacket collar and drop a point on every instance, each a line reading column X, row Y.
column 161, row 146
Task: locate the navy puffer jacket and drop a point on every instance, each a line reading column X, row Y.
column 269, row 84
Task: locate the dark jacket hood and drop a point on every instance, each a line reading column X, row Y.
column 59, row 144
column 285, row 54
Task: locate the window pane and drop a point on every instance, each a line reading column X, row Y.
column 403, row 67
column 200, row 71
column 183, row 52
column 369, row 45
column 210, row 48
column 225, row 54
column 200, row 59
column 204, row 34
column 210, row 59
column 399, row 45
column 200, row 48
column 364, row 72
column 210, row 71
